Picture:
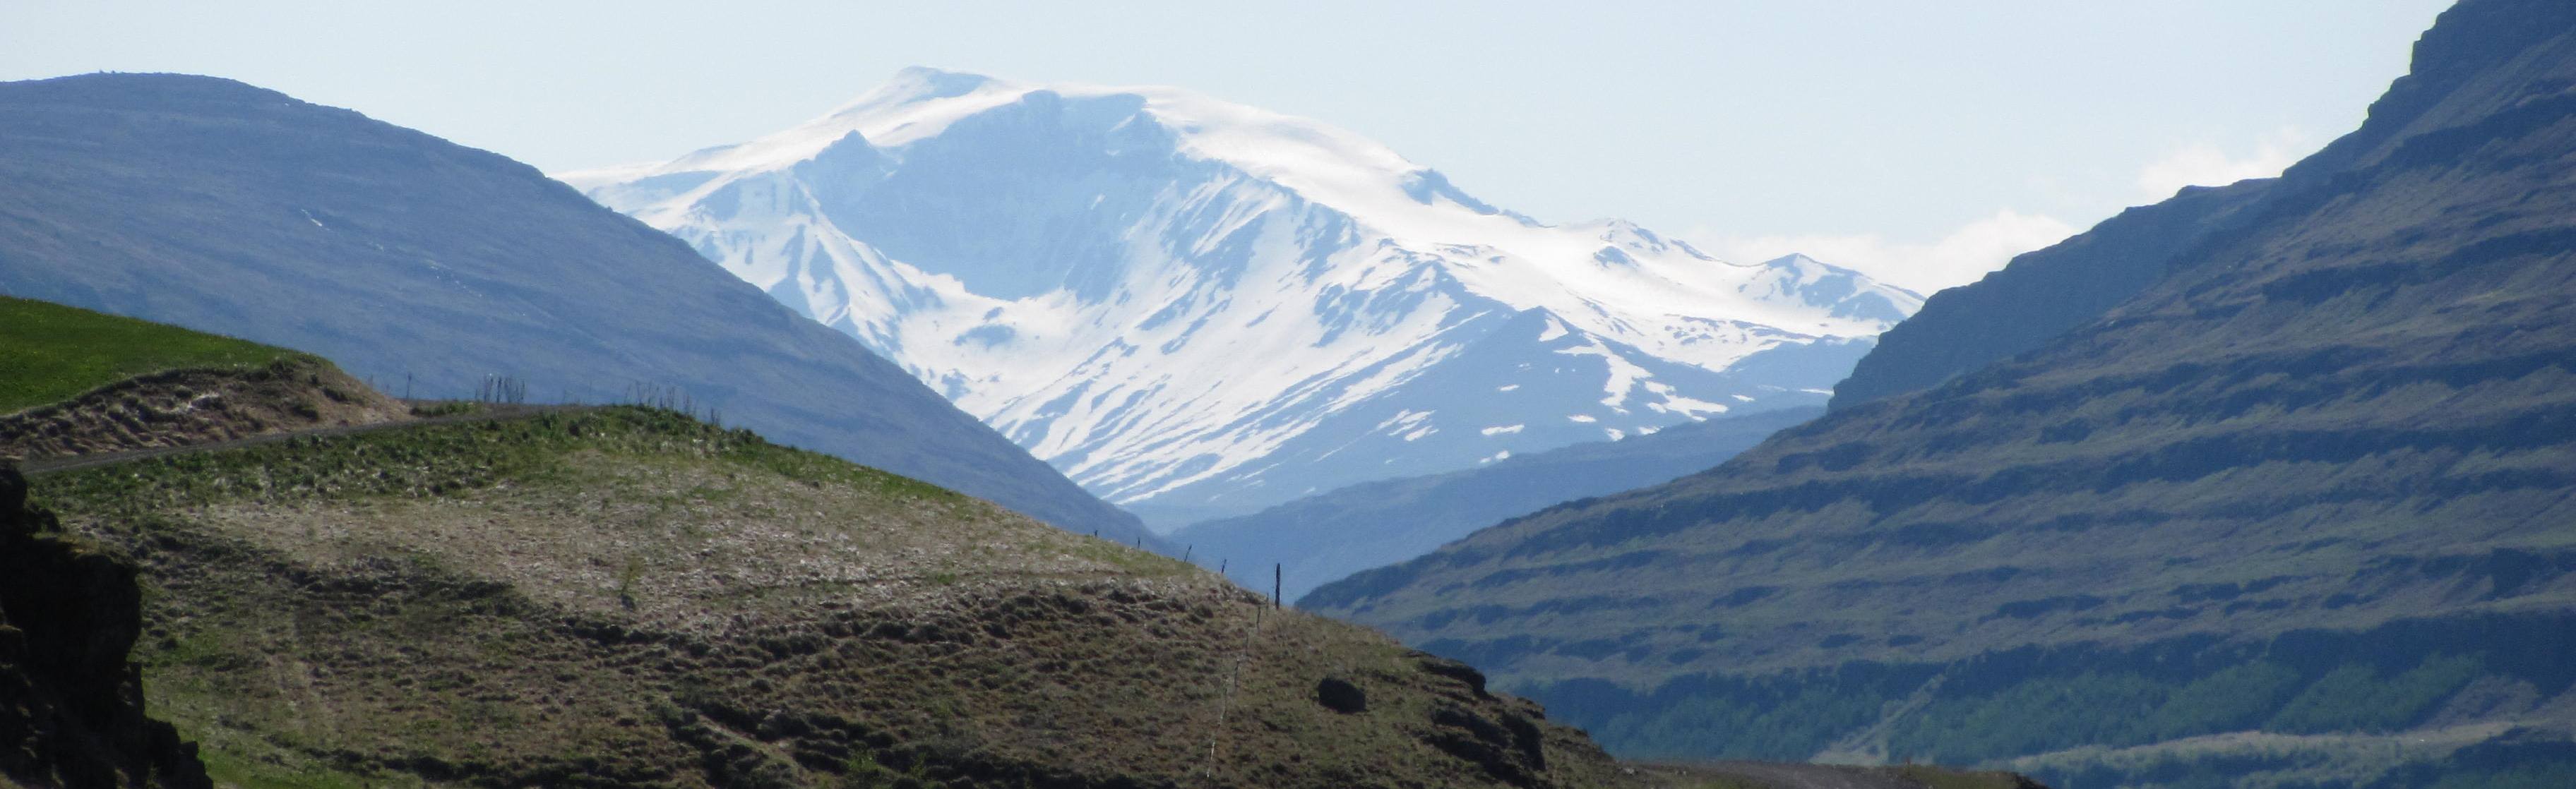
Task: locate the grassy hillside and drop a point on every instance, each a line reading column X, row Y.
column 627, row 597
column 2295, row 513
column 54, row 352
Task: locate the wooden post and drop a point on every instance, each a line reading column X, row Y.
column 1275, row 575
column 1186, row 550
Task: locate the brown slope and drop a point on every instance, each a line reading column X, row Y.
column 2355, row 410
column 197, row 406
column 625, row 597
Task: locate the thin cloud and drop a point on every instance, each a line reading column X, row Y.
column 2203, row 164
column 1958, row 258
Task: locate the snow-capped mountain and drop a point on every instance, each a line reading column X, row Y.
column 1198, row 308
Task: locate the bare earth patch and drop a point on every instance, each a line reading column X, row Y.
column 197, row 406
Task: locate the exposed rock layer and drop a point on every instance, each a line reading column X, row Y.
column 2351, row 409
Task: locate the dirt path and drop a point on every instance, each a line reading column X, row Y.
column 1793, row 776
column 483, row 413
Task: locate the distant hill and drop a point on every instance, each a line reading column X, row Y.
column 2297, row 510
column 1326, row 536
column 426, row 266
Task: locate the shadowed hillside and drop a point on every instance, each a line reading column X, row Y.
column 2297, row 509
column 1321, row 538
column 427, row 266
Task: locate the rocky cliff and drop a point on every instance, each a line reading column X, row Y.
column 71, row 704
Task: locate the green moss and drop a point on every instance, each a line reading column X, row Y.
column 54, row 353
column 435, row 460
column 230, row 769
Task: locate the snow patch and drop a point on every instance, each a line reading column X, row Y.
column 1206, row 299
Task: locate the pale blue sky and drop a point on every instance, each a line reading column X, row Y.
column 1919, row 140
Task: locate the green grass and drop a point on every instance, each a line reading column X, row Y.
column 54, row 353
column 435, row 460
column 1943, row 778
column 628, row 594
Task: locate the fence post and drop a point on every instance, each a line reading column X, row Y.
column 1275, row 576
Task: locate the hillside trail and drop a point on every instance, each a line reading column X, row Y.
column 1776, row 775
column 484, row 412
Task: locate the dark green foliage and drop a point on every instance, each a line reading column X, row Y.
column 1785, row 728
column 2116, row 709
column 53, row 353
column 2234, row 698
column 446, row 408
column 2029, row 717
column 2355, row 697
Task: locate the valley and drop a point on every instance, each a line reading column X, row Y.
column 990, row 432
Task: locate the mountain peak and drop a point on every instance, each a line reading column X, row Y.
column 1184, row 300
column 918, row 84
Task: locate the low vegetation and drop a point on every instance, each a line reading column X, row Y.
column 626, row 596
column 195, row 406
column 54, row 352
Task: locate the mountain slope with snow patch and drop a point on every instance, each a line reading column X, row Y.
column 1197, row 308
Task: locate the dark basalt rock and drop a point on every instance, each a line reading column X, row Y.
column 1510, row 750
column 71, row 706
column 1435, row 664
column 1341, row 696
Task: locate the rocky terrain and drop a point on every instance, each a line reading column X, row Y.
column 2284, row 503
column 71, row 705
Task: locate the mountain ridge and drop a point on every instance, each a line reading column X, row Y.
column 2309, row 481
column 224, row 207
column 1184, row 302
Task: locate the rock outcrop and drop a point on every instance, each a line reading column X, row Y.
column 197, row 406
column 71, row 705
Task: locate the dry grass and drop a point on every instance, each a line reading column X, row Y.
column 627, row 597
